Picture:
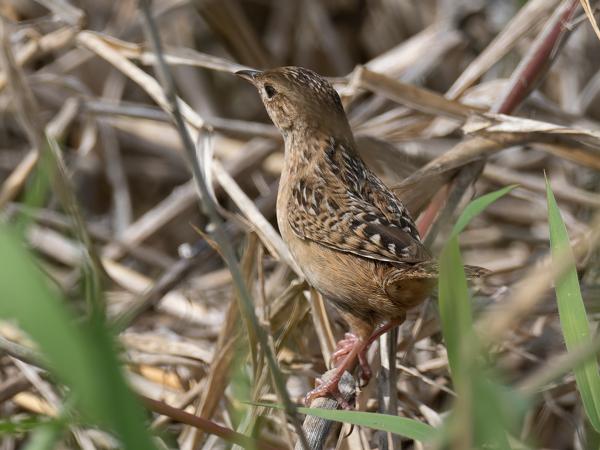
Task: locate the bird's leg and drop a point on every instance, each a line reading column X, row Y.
column 384, row 328
column 348, row 350
column 345, row 346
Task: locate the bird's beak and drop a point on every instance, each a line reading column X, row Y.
column 248, row 75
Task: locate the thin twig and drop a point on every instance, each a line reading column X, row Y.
column 227, row 434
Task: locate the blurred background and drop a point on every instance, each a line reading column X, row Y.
column 417, row 79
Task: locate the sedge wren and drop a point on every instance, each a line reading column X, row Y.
column 352, row 237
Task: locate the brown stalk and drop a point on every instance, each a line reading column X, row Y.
column 226, row 434
column 179, row 301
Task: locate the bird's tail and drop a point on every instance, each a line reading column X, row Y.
column 431, row 269
column 476, row 272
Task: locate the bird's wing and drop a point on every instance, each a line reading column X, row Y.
column 368, row 221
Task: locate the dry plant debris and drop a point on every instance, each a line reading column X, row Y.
column 448, row 99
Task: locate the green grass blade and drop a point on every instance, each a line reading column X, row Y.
column 477, row 206
column 496, row 410
column 402, row 426
column 83, row 357
column 454, row 305
column 479, row 415
column 45, row 437
column 571, row 310
column 23, row 425
column 476, row 416
column 37, row 192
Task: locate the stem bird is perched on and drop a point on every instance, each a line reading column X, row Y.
column 351, row 236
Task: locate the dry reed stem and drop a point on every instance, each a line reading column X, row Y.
column 106, row 112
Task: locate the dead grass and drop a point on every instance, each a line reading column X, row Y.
column 428, row 87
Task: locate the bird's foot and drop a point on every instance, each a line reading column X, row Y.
column 348, row 350
column 345, row 356
column 344, row 348
column 329, row 388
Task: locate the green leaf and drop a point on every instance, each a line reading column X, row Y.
column 45, row 437
column 36, row 193
column 497, row 409
column 454, row 302
column 454, row 305
column 480, row 401
column 23, row 425
column 241, row 388
column 571, row 310
column 477, row 206
column 82, row 357
column 477, row 414
column 412, row 429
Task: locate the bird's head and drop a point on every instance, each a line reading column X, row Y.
column 298, row 98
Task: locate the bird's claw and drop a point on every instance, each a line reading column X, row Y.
column 328, row 388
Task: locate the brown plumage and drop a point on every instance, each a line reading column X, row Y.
column 351, row 236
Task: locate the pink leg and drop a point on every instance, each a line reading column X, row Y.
column 345, row 347
column 348, row 350
column 382, row 329
column 350, row 340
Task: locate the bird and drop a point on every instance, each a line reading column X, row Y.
column 354, row 240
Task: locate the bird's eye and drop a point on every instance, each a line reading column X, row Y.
column 270, row 90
